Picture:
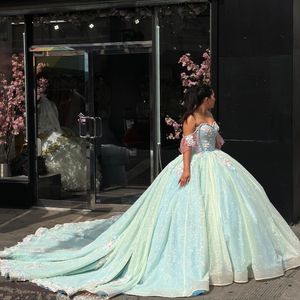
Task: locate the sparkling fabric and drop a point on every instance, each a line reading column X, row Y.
column 173, row 242
column 204, row 138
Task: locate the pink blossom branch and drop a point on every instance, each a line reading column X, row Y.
column 195, row 74
column 176, row 126
column 12, row 102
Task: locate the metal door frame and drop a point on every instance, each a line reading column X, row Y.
column 88, row 51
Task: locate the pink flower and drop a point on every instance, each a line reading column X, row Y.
column 176, row 126
column 168, row 120
column 170, row 136
column 177, row 135
column 206, row 55
column 196, row 73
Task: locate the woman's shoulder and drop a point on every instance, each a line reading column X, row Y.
column 190, row 120
column 189, row 124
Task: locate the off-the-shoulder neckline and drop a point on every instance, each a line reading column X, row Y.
column 202, row 123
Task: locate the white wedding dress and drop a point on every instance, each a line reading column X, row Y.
column 63, row 151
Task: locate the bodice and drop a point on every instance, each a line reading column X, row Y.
column 205, row 138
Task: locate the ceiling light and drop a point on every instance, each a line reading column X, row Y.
column 57, row 21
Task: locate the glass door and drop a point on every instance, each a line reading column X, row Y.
column 122, row 98
column 63, row 157
column 94, row 123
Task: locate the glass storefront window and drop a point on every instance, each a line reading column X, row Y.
column 12, row 101
column 58, row 107
column 120, row 84
column 114, row 83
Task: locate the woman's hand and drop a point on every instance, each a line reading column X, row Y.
column 185, row 178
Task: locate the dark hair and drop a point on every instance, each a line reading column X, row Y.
column 194, row 97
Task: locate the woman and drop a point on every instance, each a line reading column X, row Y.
column 204, row 220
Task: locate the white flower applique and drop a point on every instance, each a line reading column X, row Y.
column 189, row 140
column 227, row 162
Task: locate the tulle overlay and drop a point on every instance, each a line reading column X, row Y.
column 174, row 241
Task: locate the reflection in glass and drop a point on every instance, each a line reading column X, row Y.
column 122, row 101
column 12, row 101
column 58, row 110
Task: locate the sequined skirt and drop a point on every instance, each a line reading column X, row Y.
column 173, row 242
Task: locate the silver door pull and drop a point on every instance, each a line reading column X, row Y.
column 89, row 127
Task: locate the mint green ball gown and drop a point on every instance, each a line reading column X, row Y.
column 173, row 241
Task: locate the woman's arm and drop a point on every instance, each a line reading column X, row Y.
column 188, row 128
column 219, row 141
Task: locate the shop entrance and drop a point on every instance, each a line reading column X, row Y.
column 95, row 123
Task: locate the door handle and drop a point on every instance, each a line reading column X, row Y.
column 89, row 127
column 97, row 121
